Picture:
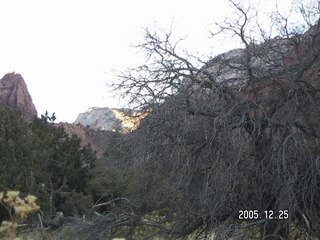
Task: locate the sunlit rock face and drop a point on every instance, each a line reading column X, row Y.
column 14, row 94
column 109, row 119
column 99, row 118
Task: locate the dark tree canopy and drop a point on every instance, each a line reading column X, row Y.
column 38, row 158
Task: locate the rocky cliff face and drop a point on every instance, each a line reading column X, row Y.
column 96, row 126
column 99, row 118
column 109, row 119
column 14, row 94
column 264, row 60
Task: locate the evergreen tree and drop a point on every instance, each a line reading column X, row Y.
column 39, row 158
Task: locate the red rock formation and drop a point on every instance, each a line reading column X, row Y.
column 97, row 139
column 14, row 94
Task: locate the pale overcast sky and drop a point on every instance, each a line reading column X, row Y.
column 66, row 49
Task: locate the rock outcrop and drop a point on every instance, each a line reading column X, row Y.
column 109, row 119
column 264, row 60
column 96, row 138
column 14, row 94
column 99, row 118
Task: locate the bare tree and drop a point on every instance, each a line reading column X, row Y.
column 230, row 149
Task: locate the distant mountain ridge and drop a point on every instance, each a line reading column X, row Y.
column 110, row 119
column 92, row 127
column 99, row 118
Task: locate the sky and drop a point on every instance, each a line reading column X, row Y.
column 68, row 51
